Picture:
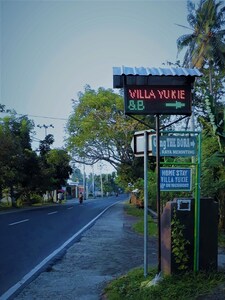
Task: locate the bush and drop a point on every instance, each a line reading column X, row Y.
column 19, row 202
column 35, row 199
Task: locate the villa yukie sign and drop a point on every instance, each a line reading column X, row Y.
column 174, row 100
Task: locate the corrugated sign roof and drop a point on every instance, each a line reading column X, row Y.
column 118, row 71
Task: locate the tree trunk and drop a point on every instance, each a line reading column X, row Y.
column 12, row 196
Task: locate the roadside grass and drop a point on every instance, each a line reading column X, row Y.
column 221, row 239
column 8, row 207
column 187, row 286
column 138, row 226
column 5, row 206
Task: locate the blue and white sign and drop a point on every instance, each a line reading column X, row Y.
column 175, row 145
column 175, row 179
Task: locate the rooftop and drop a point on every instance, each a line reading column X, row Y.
column 150, row 76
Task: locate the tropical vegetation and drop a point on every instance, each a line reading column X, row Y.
column 205, row 49
column 99, row 130
column 26, row 174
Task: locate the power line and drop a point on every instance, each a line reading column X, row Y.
column 55, row 118
column 35, row 116
column 44, row 117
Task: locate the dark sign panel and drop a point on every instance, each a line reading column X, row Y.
column 150, row 100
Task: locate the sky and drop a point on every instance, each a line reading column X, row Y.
column 51, row 49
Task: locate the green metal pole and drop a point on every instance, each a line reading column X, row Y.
column 145, row 203
column 197, row 207
column 158, row 195
column 178, row 163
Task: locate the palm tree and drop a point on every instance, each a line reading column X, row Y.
column 206, row 43
column 206, row 50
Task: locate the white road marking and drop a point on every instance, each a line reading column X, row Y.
column 15, row 223
column 70, row 207
column 20, row 283
column 53, row 212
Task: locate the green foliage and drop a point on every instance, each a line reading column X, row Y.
column 221, row 239
column 28, row 198
column 131, row 172
column 98, row 130
column 36, row 199
column 187, row 286
column 179, row 243
column 19, row 202
column 206, row 41
column 59, row 160
column 14, row 150
column 213, row 171
column 214, row 120
column 22, row 171
column 205, row 49
column 139, row 225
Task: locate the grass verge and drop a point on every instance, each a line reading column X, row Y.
column 183, row 287
column 221, row 240
column 139, row 225
column 188, row 286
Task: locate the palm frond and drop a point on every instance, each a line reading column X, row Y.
column 206, row 43
column 183, row 26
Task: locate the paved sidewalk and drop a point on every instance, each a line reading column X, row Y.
column 107, row 250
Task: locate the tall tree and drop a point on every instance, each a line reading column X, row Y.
column 16, row 153
column 206, row 44
column 206, row 50
column 58, row 160
column 99, row 130
column 54, row 166
column 213, row 172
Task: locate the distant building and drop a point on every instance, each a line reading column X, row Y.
column 73, row 189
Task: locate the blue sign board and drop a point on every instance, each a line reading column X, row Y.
column 173, row 145
column 175, row 179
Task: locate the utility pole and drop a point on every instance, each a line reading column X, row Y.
column 45, row 127
column 93, row 181
column 84, row 181
column 102, row 193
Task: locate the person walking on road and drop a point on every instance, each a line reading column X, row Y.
column 81, row 198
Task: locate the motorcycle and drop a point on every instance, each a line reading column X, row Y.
column 81, row 199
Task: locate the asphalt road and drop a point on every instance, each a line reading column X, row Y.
column 30, row 236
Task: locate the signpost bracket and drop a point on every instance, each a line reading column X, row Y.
column 180, row 119
column 140, row 121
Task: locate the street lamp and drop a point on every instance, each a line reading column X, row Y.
column 45, row 127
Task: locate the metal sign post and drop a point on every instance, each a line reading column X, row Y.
column 158, row 190
column 197, row 207
column 155, row 91
column 146, row 204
